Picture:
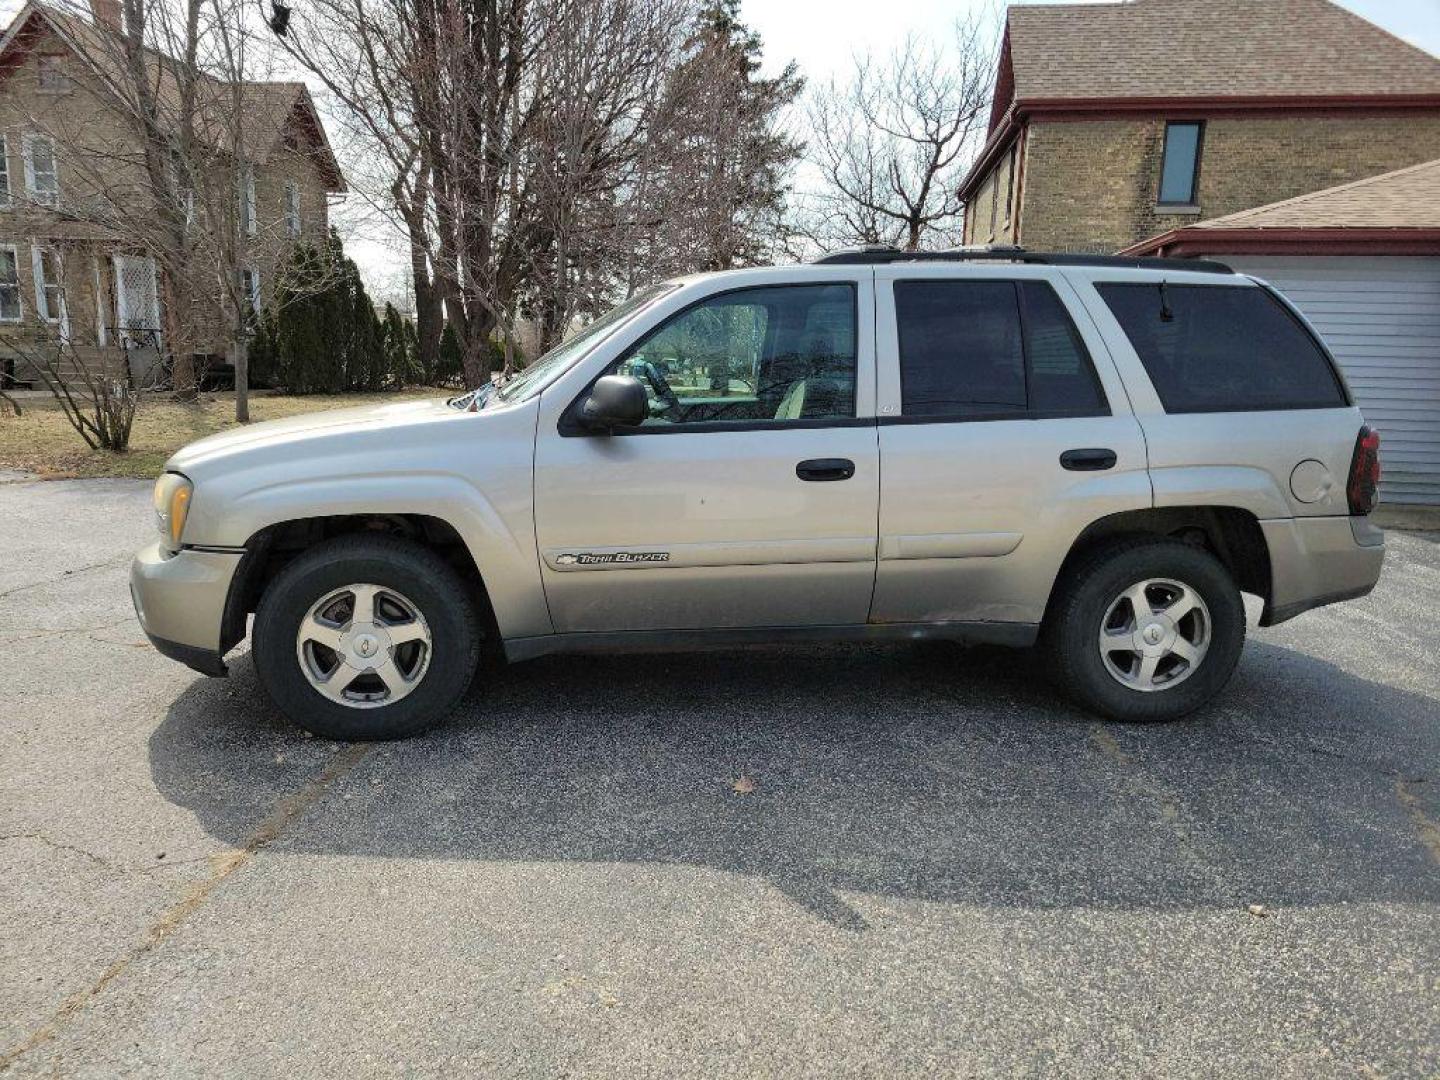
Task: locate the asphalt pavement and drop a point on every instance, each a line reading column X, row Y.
column 942, row 868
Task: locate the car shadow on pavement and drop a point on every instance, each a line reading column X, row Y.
column 923, row 772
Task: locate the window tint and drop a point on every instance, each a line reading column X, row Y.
column 1178, row 168
column 767, row 354
column 1223, row 348
column 990, row 348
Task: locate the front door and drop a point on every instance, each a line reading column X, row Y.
column 749, row 497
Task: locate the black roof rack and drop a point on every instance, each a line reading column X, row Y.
column 879, row 253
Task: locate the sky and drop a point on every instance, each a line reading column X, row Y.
column 822, row 36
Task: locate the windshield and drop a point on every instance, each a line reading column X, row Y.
column 559, row 360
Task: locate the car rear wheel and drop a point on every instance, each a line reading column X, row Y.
column 366, row 638
column 1146, row 630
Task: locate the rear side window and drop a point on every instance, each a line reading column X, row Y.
column 1223, row 348
column 989, row 350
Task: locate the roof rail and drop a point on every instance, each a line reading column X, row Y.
column 881, row 253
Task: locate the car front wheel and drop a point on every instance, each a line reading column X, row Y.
column 1146, row 630
column 366, row 638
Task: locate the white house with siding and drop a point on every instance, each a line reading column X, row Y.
column 1362, row 261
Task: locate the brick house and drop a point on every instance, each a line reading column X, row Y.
column 63, row 268
column 1113, row 122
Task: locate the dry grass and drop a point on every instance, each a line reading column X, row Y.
column 42, row 440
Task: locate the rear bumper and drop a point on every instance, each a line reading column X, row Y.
column 1319, row 561
column 180, row 602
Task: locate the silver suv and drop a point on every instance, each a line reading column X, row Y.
column 1098, row 455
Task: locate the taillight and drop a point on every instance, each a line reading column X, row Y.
column 1364, row 479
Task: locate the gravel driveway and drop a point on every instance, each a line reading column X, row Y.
column 942, row 868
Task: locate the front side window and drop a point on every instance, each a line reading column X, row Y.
column 1223, row 348
column 773, row 354
column 41, row 178
column 991, row 349
column 1180, row 165
column 9, row 285
column 4, row 173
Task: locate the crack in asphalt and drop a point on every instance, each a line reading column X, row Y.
column 222, row 865
column 68, row 573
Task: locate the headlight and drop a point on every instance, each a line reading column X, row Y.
column 172, row 504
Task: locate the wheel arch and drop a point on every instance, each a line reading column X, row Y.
column 1230, row 533
column 273, row 547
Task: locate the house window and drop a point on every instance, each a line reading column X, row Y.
column 4, row 173
column 52, row 77
column 9, row 285
column 250, row 287
column 292, row 208
column 247, row 201
column 1180, row 167
column 49, row 284
column 41, row 180
column 1010, row 184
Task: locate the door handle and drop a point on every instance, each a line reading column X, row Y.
column 825, row 468
column 1088, row 460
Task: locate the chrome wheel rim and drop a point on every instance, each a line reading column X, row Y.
column 364, row 646
column 1155, row 635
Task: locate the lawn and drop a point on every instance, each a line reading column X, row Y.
column 42, row 440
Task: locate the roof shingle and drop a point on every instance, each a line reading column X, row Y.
column 1210, row 48
column 1404, row 199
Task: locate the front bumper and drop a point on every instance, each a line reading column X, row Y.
column 1318, row 561
column 180, row 601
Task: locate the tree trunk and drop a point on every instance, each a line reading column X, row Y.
column 240, row 350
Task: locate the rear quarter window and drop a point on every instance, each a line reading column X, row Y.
column 1223, row 348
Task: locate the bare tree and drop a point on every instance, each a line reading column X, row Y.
column 891, row 144
column 541, row 155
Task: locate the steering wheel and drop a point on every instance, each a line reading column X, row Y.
column 660, row 385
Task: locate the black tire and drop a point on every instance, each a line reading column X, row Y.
column 416, row 572
column 1073, row 627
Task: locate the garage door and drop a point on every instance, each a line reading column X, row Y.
column 1381, row 318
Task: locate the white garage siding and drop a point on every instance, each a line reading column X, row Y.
column 1381, row 317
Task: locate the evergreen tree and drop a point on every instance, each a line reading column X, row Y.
column 726, row 155
column 449, row 365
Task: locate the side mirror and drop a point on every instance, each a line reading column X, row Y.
column 615, row 401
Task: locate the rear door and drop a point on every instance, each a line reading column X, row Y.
column 1004, row 431
column 1240, row 403
column 748, row 498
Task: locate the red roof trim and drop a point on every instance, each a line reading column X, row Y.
column 1237, row 102
column 1192, row 241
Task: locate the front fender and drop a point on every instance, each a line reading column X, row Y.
column 394, row 471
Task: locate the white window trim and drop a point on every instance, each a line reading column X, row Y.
column 47, row 198
column 19, row 292
column 292, row 208
column 60, row 318
column 6, row 201
column 101, row 335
